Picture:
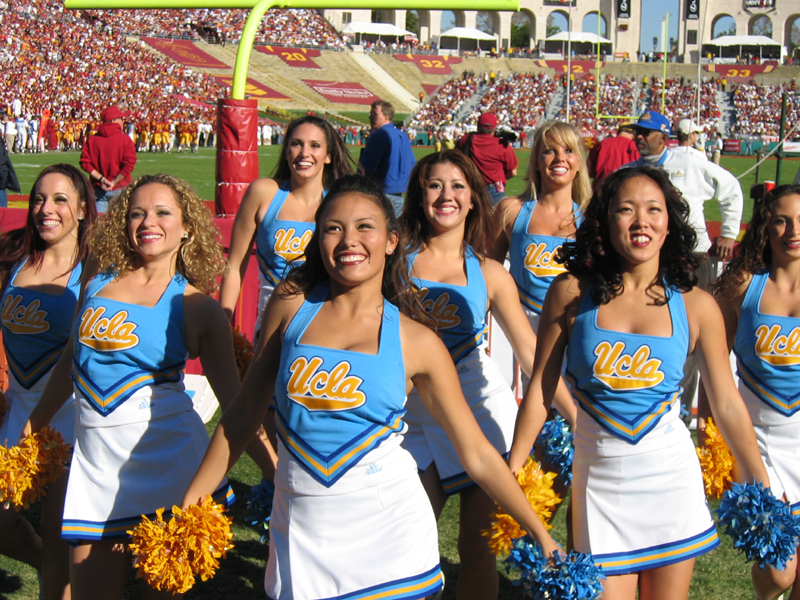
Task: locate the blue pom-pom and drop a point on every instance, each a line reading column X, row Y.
column 259, row 505
column 762, row 527
column 571, row 577
column 555, row 440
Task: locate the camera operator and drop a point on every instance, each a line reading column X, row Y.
column 492, row 154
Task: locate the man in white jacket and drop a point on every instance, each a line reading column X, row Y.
column 698, row 180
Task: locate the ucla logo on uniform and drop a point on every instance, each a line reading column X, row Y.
column 317, row 389
column 290, row 246
column 776, row 349
column 444, row 313
column 542, row 263
column 24, row 320
column 104, row 334
column 621, row 371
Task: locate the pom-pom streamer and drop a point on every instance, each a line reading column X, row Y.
column 716, row 461
column 169, row 554
column 762, row 527
column 538, row 488
column 243, row 351
column 259, row 505
column 26, row 470
column 555, row 440
column 570, row 577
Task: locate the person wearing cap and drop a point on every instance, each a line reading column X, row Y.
column 109, row 157
column 688, row 131
column 494, row 157
column 698, row 180
column 613, row 152
column 387, row 156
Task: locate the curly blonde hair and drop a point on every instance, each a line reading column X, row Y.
column 200, row 258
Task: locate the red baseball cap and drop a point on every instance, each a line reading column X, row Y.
column 487, row 120
column 111, row 113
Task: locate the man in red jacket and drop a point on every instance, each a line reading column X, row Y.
column 613, row 152
column 109, row 157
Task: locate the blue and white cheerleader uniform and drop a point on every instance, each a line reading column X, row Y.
column 460, row 314
column 350, row 518
column 638, row 497
column 278, row 243
column 533, row 264
column 138, row 441
column 36, row 328
column 767, row 349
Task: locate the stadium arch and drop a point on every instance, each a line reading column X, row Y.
column 723, row 24
column 590, row 22
column 526, row 15
column 760, row 25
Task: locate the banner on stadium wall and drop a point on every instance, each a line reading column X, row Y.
column 253, row 89
column 294, row 57
column 579, row 68
column 793, row 147
column 693, row 9
column 732, row 146
column 186, row 53
column 624, row 9
column 741, row 72
column 346, row 92
column 759, row 3
column 432, row 65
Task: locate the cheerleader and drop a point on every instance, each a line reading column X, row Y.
column 41, row 266
column 760, row 301
column 447, row 219
column 627, row 314
column 143, row 313
column 278, row 213
column 350, row 516
column 533, row 227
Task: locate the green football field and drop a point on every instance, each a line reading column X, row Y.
column 719, row 575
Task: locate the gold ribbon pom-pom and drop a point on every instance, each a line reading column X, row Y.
column 538, row 488
column 26, row 470
column 168, row 554
column 243, row 351
column 716, row 461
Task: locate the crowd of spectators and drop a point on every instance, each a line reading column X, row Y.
column 284, row 27
column 680, row 101
column 617, row 96
column 57, row 64
column 446, row 102
column 519, row 100
column 758, row 109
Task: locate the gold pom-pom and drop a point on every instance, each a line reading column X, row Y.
column 538, row 488
column 243, row 351
column 716, row 461
column 26, row 470
column 168, row 554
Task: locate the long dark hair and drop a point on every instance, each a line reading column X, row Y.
column 396, row 286
column 591, row 256
column 480, row 220
column 341, row 161
column 754, row 252
column 26, row 242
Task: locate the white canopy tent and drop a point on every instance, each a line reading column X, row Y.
column 736, row 45
column 582, row 42
column 451, row 39
column 358, row 29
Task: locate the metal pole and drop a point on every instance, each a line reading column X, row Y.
column 699, row 59
column 781, row 133
column 664, row 47
column 569, row 53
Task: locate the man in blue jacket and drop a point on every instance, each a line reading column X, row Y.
column 387, row 157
